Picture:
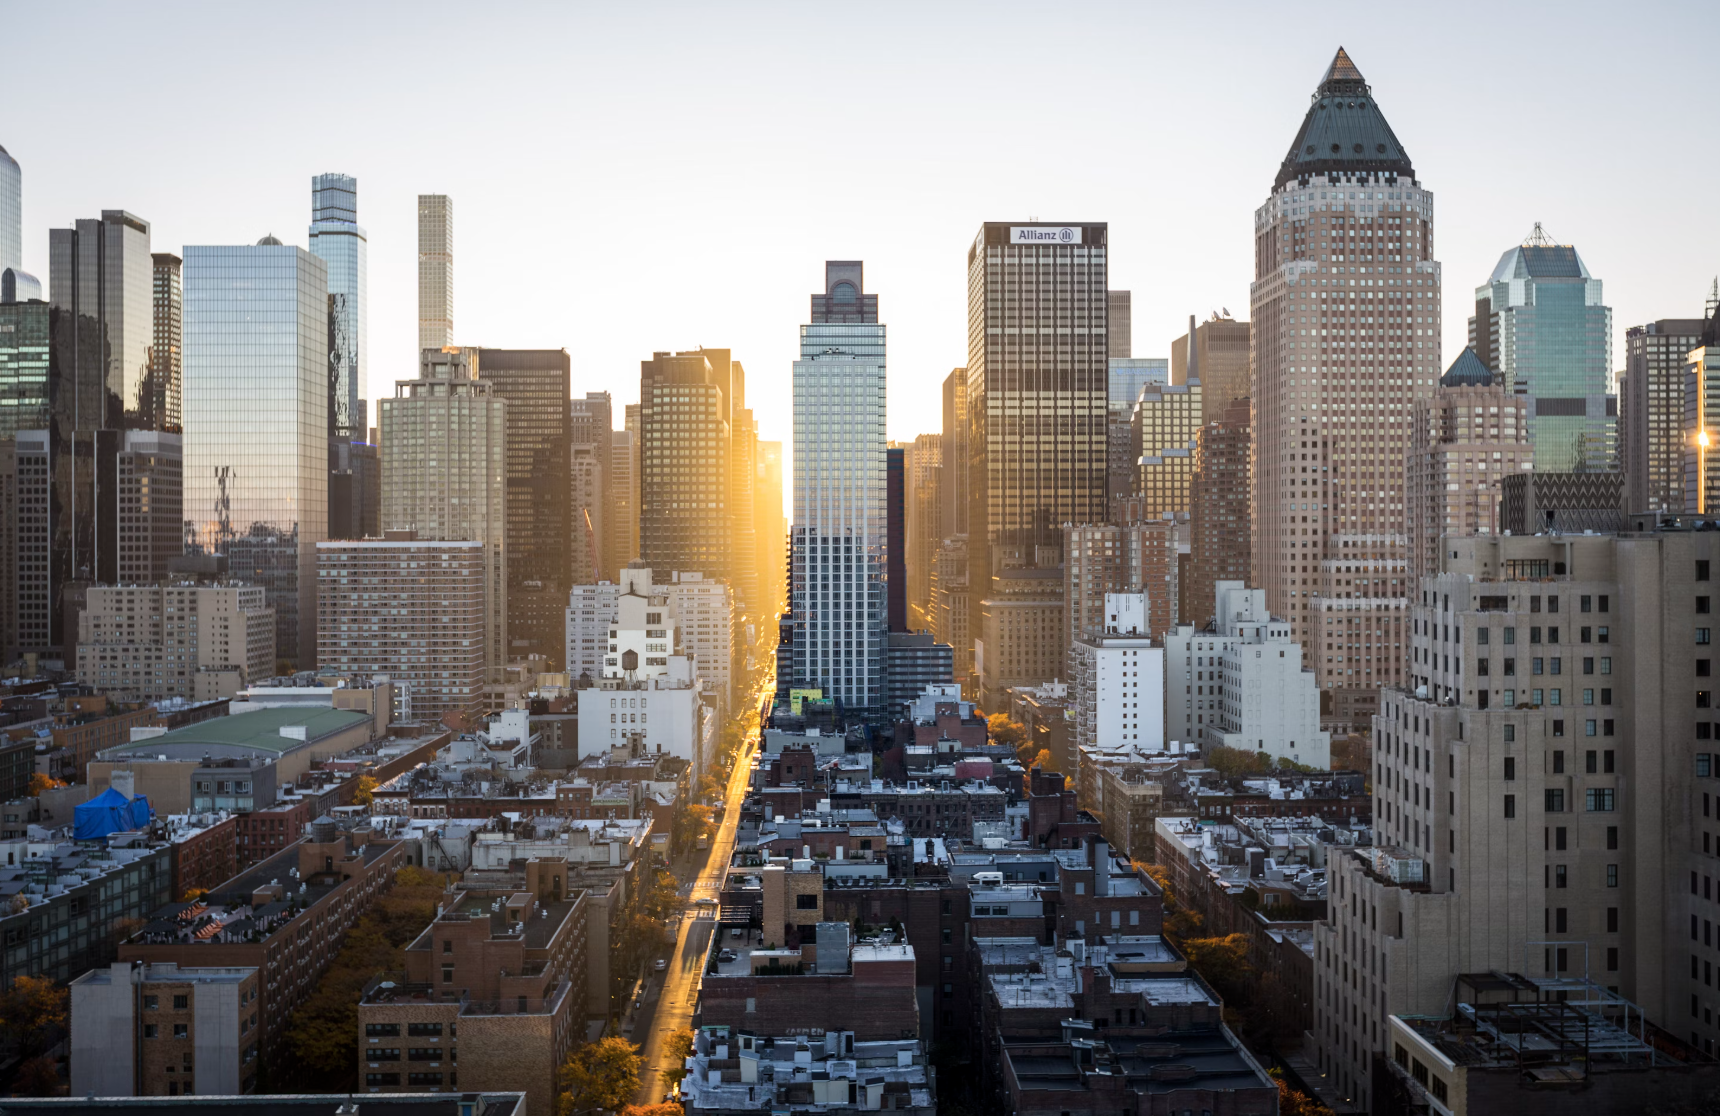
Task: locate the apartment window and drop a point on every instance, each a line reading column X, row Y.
column 1589, row 728
column 383, row 1030
column 1612, row 869
column 150, row 1003
column 1561, row 922
column 1612, row 959
column 1612, row 920
column 1510, row 805
column 1559, row 838
column 1607, row 760
column 150, row 1030
column 181, row 1030
column 447, row 974
column 1702, row 606
column 1510, row 733
column 1555, row 801
column 1702, row 635
column 1560, row 877
column 1612, row 836
column 1559, row 762
column 1588, row 664
column 180, row 1003
column 1600, row 799
column 1510, row 765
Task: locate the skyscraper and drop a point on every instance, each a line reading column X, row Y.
column 11, row 212
column 1467, row 439
column 838, row 586
column 948, row 589
column 1345, row 337
column 445, row 472
column 167, row 341
column 924, row 494
column 1218, row 511
column 621, row 529
column 896, row 538
column 256, row 423
column 1127, row 378
column 1215, row 352
column 337, row 239
column 435, row 271
column 541, row 550
column 1119, row 324
column 1539, row 322
column 1038, row 378
column 771, row 533
column 76, row 528
column 684, row 436
column 1651, row 413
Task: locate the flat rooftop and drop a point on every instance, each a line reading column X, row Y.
column 329, row 1104
column 242, row 735
column 1206, row 1059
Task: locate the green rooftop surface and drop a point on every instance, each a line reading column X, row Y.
column 259, row 730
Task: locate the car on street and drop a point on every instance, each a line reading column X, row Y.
column 659, row 964
column 706, row 901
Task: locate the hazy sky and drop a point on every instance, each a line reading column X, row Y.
column 636, row 177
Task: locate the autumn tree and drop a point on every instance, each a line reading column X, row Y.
column 1005, row 731
column 601, row 1075
column 363, row 790
column 1223, row 962
column 322, row 1033
column 1294, row 1102
column 32, row 1015
column 678, row 1047
column 42, row 781
column 664, row 1109
column 1042, row 760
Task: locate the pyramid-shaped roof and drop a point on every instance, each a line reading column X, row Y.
column 1467, row 371
column 1344, row 132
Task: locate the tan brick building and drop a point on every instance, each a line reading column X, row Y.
column 493, row 994
column 163, row 1031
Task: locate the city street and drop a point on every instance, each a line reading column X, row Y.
column 673, row 1010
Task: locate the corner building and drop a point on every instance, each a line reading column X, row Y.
column 1346, row 341
column 1549, row 808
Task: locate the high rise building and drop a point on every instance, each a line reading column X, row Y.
column 541, row 543
column 924, row 498
column 703, row 613
column 896, row 538
column 838, row 591
column 1539, row 810
column 175, row 639
column 1651, row 413
column 1345, row 338
column 621, row 545
column 743, row 492
column 1215, row 352
column 256, row 423
column 11, row 213
column 1021, row 637
column 413, row 610
column 149, row 469
column 1119, row 319
column 1702, row 420
column 1100, row 560
column 590, row 615
column 1470, row 436
column 684, row 442
column 1117, row 680
column 590, row 422
column 1163, row 429
column 91, row 342
column 1539, row 322
column 585, row 498
column 948, row 580
column 771, row 533
column 337, row 239
column 435, row 271
column 445, row 472
column 1219, row 508
column 1037, row 384
column 1127, row 378
column 167, row 341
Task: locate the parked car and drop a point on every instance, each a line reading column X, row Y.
column 659, row 964
column 726, row 955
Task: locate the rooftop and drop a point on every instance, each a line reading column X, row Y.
column 1208, row 1058
column 263, row 732
column 330, row 1104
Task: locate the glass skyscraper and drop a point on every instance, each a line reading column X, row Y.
column 256, row 423
column 11, row 212
column 1540, row 321
column 837, row 598
column 337, row 239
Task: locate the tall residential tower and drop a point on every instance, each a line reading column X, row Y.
column 435, row 271
column 837, row 594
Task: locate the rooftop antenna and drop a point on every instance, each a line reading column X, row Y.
column 1539, row 238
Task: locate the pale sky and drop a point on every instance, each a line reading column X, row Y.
column 636, row 177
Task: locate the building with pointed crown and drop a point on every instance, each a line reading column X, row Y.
column 1345, row 335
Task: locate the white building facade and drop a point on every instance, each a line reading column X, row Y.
column 1242, row 684
column 590, row 615
column 1119, row 679
column 703, row 611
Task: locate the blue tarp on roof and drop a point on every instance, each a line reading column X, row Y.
column 109, row 812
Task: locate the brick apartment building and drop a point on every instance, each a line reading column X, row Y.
column 493, row 993
column 162, row 1031
column 284, row 917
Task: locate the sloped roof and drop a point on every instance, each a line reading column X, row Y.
column 1531, row 261
column 1467, row 371
column 1344, row 131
